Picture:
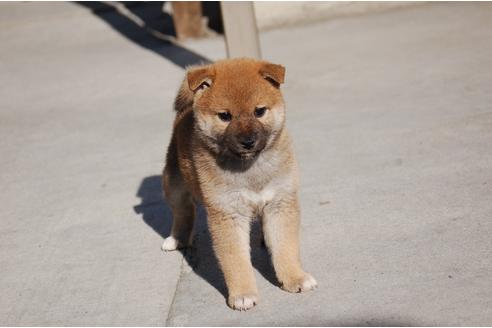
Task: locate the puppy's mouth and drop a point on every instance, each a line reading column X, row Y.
column 244, row 155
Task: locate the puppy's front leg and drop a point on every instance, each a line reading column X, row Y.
column 281, row 231
column 230, row 237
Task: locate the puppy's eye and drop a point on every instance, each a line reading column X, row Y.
column 225, row 116
column 260, row 111
column 204, row 85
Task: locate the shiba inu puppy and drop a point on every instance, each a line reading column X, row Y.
column 231, row 152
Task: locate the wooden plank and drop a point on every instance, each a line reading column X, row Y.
column 240, row 29
column 187, row 17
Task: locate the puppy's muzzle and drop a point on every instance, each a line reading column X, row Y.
column 244, row 139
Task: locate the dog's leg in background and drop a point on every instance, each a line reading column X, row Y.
column 230, row 236
column 281, row 233
column 183, row 209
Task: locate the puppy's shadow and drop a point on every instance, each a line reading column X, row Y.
column 201, row 258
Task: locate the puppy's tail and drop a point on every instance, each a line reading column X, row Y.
column 184, row 99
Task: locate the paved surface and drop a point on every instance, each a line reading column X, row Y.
column 392, row 121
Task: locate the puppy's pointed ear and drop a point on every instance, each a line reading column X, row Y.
column 200, row 77
column 273, row 73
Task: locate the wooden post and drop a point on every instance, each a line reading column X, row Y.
column 187, row 17
column 240, row 29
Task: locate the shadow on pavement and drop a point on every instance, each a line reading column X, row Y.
column 146, row 25
column 201, row 258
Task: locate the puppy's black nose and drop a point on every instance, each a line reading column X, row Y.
column 247, row 142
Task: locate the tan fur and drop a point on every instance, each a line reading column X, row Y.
column 205, row 163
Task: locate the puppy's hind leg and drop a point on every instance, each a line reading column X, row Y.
column 183, row 210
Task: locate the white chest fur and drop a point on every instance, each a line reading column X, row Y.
column 246, row 194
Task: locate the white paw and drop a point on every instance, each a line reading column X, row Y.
column 243, row 302
column 170, row 244
column 299, row 285
column 309, row 283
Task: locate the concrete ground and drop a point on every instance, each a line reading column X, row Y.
column 391, row 115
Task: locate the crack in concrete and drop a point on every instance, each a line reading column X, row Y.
column 170, row 312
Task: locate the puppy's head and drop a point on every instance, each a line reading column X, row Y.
column 238, row 105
